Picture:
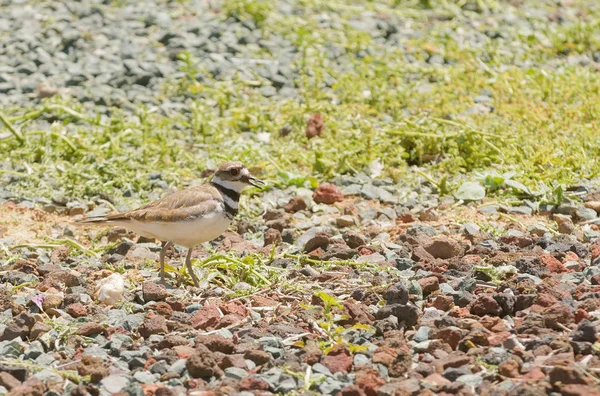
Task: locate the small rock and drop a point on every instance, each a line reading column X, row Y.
column 215, row 343
column 566, row 376
column 586, row 331
column 338, row 359
column 253, row 383
column 206, row 317
column 76, row 310
column 328, row 194
column 154, row 292
column 8, row 381
column 202, row 365
column 565, row 224
column 295, row 204
column 346, row 221
column 397, row 294
column 257, row 356
column 90, row 328
column 443, row 248
column 429, row 284
column 429, row 215
column 354, row 239
column 52, row 302
column 485, row 304
column 153, row 325
column 315, row 126
column 20, row 326
column 272, row 237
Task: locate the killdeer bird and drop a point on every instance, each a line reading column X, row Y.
column 188, row 217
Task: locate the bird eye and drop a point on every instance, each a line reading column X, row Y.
column 234, row 172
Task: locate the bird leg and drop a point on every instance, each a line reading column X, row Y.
column 188, row 264
column 163, row 251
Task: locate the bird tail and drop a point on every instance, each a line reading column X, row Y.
column 93, row 220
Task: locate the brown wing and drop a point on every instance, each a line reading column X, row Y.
column 181, row 205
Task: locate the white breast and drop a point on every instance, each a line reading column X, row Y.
column 185, row 233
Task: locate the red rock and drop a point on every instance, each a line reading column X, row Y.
column 581, row 314
column 295, row 204
column 443, row 248
column 253, row 383
column 520, row 241
column 545, row 299
column 229, row 320
column 328, row 194
column 202, row 365
column 76, row 310
column 384, row 355
column 316, row 254
column 320, row 240
column 90, row 328
column 570, row 256
column 557, row 315
column 407, row 218
column 459, row 312
column 206, row 317
column 258, row 357
column 443, row 303
column 450, row 336
column 472, row 259
column 235, row 307
column 177, row 306
column 436, row 379
column 235, row 360
column 510, row 369
column 596, row 279
column 535, row 374
column 215, row 343
column 485, row 305
column 358, row 313
column 595, row 252
column 402, row 363
column 494, row 324
column 369, row 381
column 429, row 284
column 183, row 351
column 567, row 375
column 272, row 237
column 154, row 292
column 315, row 126
column 92, row 366
column 338, row 359
column 552, row 264
column 8, row 381
column 579, row 390
column 419, row 254
column 453, row 361
column 351, row 390
column 153, row 325
column 162, row 308
column 497, row 339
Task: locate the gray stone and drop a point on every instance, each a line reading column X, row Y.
column 330, row 386
column 145, row 377
column 471, row 380
column 114, row 382
column 422, row 334
column 235, row 372
column 178, row 366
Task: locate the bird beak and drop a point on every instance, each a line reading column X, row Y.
column 255, row 182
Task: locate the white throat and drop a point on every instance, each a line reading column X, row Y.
column 236, row 186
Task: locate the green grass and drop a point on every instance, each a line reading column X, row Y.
column 544, row 123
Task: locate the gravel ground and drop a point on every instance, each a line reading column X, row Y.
column 358, row 287
column 337, row 294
